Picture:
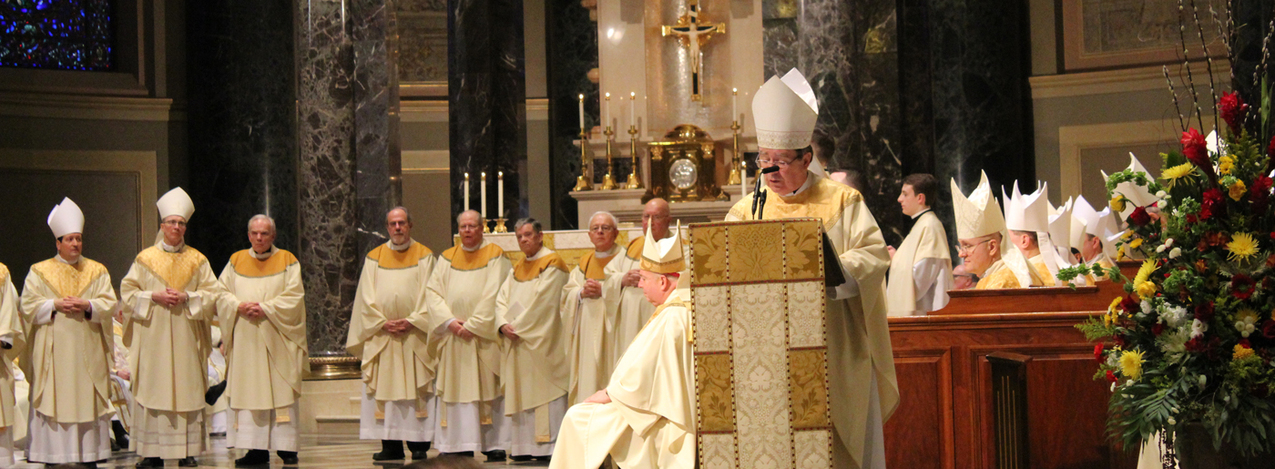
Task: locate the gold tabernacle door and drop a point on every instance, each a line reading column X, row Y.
column 761, row 373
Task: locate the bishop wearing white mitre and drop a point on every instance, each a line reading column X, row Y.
column 68, row 300
column 860, row 361
column 1027, row 218
column 980, row 230
column 633, row 309
column 170, row 299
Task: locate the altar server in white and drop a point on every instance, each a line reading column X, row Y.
column 590, row 307
column 389, row 332
column 263, row 324
column 921, row 269
column 461, row 297
column 535, row 371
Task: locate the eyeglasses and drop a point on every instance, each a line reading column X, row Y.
column 965, row 249
column 601, row 229
column 175, row 223
column 766, row 163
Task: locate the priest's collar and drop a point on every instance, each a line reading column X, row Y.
column 810, row 180
column 475, row 248
column 400, row 247
column 615, row 248
column 918, row 215
column 167, row 248
column 261, row 256
column 64, row 261
column 544, row 251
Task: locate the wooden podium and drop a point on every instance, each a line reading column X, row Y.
column 761, row 374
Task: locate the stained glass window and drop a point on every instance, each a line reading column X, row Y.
column 56, row 34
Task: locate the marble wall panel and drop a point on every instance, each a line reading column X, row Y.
column 376, row 117
column 572, row 51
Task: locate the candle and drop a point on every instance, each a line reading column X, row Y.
column 606, row 112
column 632, row 109
column 465, row 189
column 743, row 179
column 500, row 194
column 734, row 101
column 482, row 186
column 581, row 113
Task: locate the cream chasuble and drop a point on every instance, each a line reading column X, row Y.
column 464, row 287
column 650, row 421
column 264, row 357
column 392, row 286
column 858, row 335
column 924, row 251
column 10, row 331
column 633, row 309
column 591, row 323
column 69, row 382
column 535, row 371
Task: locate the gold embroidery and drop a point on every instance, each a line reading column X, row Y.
column 708, row 254
column 248, row 266
column 528, row 270
column 66, row 279
column 802, row 242
column 174, row 268
column 716, row 402
column 806, row 382
column 387, row 258
column 755, row 253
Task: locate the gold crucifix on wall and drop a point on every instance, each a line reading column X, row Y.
column 693, row 35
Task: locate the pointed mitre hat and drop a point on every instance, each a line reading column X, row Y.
column 1081, row 212
column 1027, row 212
column 977, row 214
column 785, row 111
column 175, row 202
column 663, row 256
column 1060, row 225
column 66, row 218
column 1138, row 196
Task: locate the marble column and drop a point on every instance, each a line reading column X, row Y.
column 242, row 144
column 487, row 102
column 349, row 162
column 572, row 51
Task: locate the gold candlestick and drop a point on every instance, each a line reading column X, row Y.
column 500, row 226
column 635, row 182
column 608, row 182
column 584, row 182
column 736, row 178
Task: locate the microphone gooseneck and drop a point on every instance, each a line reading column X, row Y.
column 758, row 195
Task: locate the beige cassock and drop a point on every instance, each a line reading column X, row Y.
column 591, row 322
column 70, row 387
column 398, row 372
column 858, row 336
column 650, row 421
column 921, row 270
column 168, row 349
column 265, row 358
column 10, row 330
column 633, row 309
column 463, row 287
column 535, row 372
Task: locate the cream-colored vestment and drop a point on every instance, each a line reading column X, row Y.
column 633, row 309
column 859, row 350
column 463, row 288
column 398, row 370
column 591, row 322
column 1000, row 276
column 265, row 357
column 535, row 371
column 169, row 348
column 70, row 388
column 11, row 332
column 650, row 421
column 921, row 270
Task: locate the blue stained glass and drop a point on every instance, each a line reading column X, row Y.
column 56, row 34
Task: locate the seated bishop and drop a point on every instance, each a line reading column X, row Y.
column 980, row 230
column 645, row 418
column 1095, row 233
column 1027, row 218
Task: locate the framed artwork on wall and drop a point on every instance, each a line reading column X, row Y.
column 1112, row 34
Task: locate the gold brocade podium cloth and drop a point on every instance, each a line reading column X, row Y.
column 761, row 370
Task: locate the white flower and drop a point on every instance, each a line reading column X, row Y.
column 1162, row 204
column 1175, row 253
column 1172, row 316
column 1198, row 328
column 1203, row 381
column 1245, row 326
column 1113, row 387
column 1160, row 248
column 1161, row 194
column 1168, row 242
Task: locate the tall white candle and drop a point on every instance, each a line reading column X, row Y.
column 465, row 189
column 606, row 113
column 500, row 194
column 482, row 186
column 743, row 179
column 632, row 108
column 734, row 104
column 581, row 113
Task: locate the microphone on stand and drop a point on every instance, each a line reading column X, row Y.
column 758, row 195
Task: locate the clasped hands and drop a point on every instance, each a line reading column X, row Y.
column 592, row 289
column 251, row 310
column 457, row 327
column 631, row 278
column 397, row 327
column 72, row 305
column 169, row 297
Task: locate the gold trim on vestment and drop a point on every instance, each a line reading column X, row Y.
column 68, row 279
column 480, row 258
column 387, row 258
column 248, row 266
column 527, row 270
column 178, row 267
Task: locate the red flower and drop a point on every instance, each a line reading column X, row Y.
column 1156, row 329
column 1268, row 329
column 1131, row 304
column 1270, row 148
column 1245, row 343
column 1242, row 286
column 1204, row 311
column 1111, row 376
column 1196, row 345
column 1119, row 340
column 1192, row 219
column 1196, row 150
column 1233, row 110
column 1139, row 217
column 1097, row 352
column 1213, row 204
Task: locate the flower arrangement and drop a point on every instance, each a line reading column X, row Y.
column 1193, row 338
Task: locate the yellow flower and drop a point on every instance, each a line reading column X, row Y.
column 1131, row 364
column 1225, row 165
column 1238, row 190
column 1242, row 246
column 1141, row 283
column 1135, row 244
column 1184, row 170
column 1117, row 203
column 1241, row 352
column 1145, row 290
column 1110, row 317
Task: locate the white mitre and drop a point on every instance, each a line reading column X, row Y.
column 1027, row 212
column 664, row 256
column 1138, row 196
column 66, row 218
column 1060, row 225
column 978, row 214
column 175, row 202
column 1081, row 211
column 1103, row 225
column 784, row 112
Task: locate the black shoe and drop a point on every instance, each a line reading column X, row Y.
column 289, row 457
column 149, row 462
column 521, row 458
column 90, row 465
column 255, row 457
column 121, row 436
column 188, row 461
column 497, row 455
column 115, row 446
column 543, row 458
column 419, row 449
column 391, row 450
